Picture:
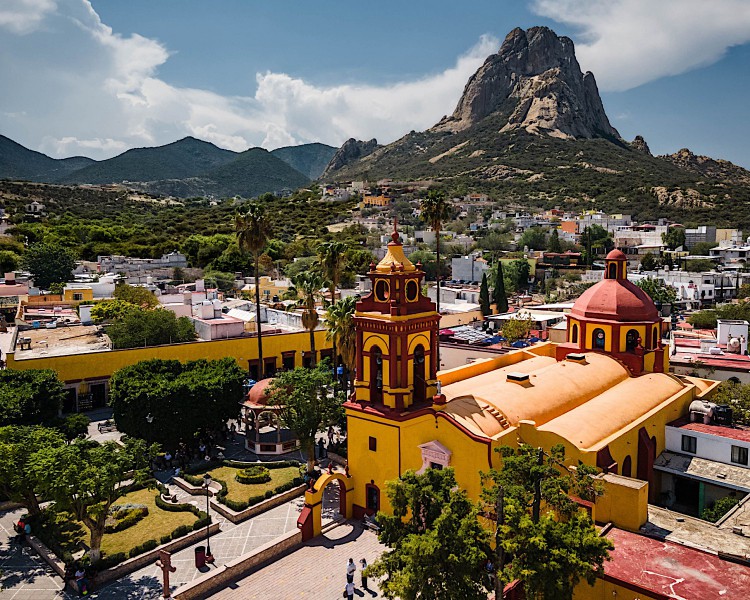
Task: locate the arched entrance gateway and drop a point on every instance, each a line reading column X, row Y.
column 310, row 520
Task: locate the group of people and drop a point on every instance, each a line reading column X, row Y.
column 77, row 573
column 351, row 569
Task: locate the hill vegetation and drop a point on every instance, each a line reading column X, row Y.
column 309, row 159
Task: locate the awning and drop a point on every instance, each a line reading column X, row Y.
column 702, row 469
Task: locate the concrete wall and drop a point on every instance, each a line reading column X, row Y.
column 222, row 575
column 452, row 356
column 711, row 447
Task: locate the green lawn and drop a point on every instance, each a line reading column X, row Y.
column 152, row 527
column 241, row 492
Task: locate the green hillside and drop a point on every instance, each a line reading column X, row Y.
column 18, row 162
column 517, row 167
column 188, row 157
column 309, row 159
column 254, row 172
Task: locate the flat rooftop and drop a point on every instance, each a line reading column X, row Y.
column 61, row 341
column 674, row 570
column 741, row 434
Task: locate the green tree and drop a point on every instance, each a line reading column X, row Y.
column 309, row 285
column 436, row 210
column 703, row 319
column 674, row 237
column 253, row 230
column 8, row 261
column 307, row 404
column 484, row 296
column 134, row 294
column 519, row 272
column 110, row 311
column 30, row 397
column 179, row 399
column 85, row 478
column 75, row 426
column 648, row 262
column 719, row 508
column 437, row 546
column 517, row 327
column 340, row 329
column 699, row 265
column 702, row 249
column 48, row 264
column 429, row 264
column 140, row 328
column 17, row 444
column 658, row 290
column 554, row 242
column 736, row 395
column 331, row 256
column 498, row 292
column 545, row 539
column 535, row 238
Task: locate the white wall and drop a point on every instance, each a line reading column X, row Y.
column 711, row 447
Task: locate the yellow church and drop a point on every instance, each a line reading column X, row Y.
column 605, row 394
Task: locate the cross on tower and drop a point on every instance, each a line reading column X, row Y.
column 165, row 564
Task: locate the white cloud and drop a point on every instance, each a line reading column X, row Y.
column 627, row 43
column 24, row 16
column 96, row 92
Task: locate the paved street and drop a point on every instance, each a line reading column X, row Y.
column 316, row 570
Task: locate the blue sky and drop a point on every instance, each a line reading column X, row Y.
column 98, row 78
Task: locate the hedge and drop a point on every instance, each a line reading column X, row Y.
column 254, row 474
column 253, row 500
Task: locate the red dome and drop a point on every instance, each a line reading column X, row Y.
column 615, row 300
column 258, row 394
column 616, row 255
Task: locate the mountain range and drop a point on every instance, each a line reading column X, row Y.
column 530, row 128
column 185, row 168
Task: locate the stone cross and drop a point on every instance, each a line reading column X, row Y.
column 165, row 564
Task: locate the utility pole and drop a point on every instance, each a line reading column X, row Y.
column 499, row 551
column 538, row 489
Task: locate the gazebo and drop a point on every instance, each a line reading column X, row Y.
column 264, row 433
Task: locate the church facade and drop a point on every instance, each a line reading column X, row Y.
column 605, row 394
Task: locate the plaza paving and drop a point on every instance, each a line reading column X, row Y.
column 316, row 570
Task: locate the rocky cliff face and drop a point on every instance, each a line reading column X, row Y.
column 536, row 78
column 351, row 151
column 640, row 145
column 709, row 167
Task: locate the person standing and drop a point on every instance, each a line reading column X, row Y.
column 362, row 567
column 350, row 570
column 349, row 591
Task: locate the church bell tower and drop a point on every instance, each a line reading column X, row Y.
column 397, row 335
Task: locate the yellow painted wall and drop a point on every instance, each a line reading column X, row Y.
column 607, row 336
column 605, row 590
column 457, row 319
column 87, row 294
column 103, row 364
column 641, row 329
column 620, row 493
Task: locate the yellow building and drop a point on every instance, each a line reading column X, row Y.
column 605, row 394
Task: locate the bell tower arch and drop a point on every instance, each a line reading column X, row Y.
column 397, row 335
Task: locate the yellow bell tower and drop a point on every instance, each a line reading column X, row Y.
column 397, row 336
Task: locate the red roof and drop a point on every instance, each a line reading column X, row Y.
column 615, row 300
column 674, row 570
column 733, row 433
column 258, row 396
column 616, row 255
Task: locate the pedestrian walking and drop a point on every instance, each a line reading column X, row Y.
column 350, row 570
column 330, row 435
column 349, row 591
column 362, row 567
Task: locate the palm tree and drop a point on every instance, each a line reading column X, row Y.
column 253, row 230
column 308, row 284
column 435, row 210
column 331, row 259
column 340, row 325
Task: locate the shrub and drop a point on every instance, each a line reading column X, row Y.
column 180, row 531
column 124, row 516
column 141, row 548
column 254, row 474
column 166, row 538
column 719, row 508
column 109, row 561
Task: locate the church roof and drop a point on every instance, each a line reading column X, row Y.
column 584, row 402
column 395, row 259
column 260, row 394
column 615, row 300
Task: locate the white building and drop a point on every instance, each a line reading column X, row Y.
column 468, row 268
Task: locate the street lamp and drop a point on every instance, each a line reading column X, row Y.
column 149, row 420
column 206, row 483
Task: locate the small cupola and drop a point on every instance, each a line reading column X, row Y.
column 616, row 266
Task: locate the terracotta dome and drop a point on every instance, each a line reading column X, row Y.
column 257, row 395
column 616, row 255
column 615, row 300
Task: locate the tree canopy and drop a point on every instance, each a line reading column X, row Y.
column 657, row 290
column 134, row 294
column 182, row 399
column 437, row 546
column 138, row 328
column 498, row 291
column 484, row 296
column 49, row 263
column 30, row 397
column 307, row 403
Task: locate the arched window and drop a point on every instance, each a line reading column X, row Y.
column 612, row 271
column 418, row 374
column 376, row 375
column 627, row 466
column 599, row 339
column 655, row 339
column 574, row 334
column 631, row 340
